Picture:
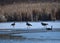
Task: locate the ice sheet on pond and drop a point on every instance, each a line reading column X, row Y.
column 35, row 25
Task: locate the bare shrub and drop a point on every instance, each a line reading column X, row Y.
column 58, row 14
column 2, row 18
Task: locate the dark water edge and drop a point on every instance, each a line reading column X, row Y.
column 31, row 38
column 5, row 36
column 9, row 37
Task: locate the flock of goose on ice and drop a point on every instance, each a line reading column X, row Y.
column 28, row 24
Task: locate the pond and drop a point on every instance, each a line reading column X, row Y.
column 40, row 37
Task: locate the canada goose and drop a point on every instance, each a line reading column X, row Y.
column 44, row 24
column 28, row 24
column 49, row 28
column 13, row 24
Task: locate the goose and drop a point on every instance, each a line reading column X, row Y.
column 44, row 24
column 28, row 24
column 13, row 24
column 49, row 28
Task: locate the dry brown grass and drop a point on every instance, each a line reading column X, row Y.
column 19, row 8
column 28, row 7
